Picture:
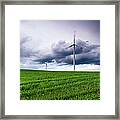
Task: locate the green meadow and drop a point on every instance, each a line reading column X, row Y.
column 59, row 85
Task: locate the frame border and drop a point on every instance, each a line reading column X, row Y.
column 55, row 2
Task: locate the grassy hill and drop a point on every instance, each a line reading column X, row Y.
column 59, row 85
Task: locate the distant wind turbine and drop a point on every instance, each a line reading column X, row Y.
column 46, row 65
column 73, row 45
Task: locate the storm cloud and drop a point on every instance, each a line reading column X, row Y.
column 61, row 53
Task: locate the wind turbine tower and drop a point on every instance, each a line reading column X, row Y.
column 74, row 51
column 46, row 65
column 73, row 45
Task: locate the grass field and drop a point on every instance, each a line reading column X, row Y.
column 59, row 85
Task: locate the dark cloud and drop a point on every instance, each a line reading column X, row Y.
column 85, row 53
column 26, row 51
column 83, row 58
column 47, row 58
column 84, row 47
column 61, row 50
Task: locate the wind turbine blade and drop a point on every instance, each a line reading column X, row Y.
column 70, row 46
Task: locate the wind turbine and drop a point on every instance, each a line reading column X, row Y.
column 46, row 65
column 73, row 45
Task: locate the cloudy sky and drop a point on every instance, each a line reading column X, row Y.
column 47, row 41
